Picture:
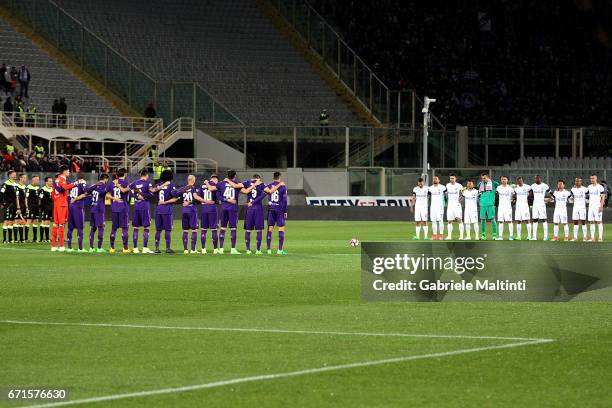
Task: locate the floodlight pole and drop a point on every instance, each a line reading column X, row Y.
column 426, row 124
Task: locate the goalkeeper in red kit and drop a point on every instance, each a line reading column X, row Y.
column 61, row 189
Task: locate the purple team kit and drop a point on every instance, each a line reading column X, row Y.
column 141, row 191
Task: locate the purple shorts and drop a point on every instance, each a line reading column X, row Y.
column 76, row 218
column 120, row 219
column 163, row 222
column 141, row 217
column 254, row 219
column 210, row 219
column 96, row 219
column 229, row 215
column 190, row 218
column 276, row 218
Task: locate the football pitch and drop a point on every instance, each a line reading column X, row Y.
column 127, row 330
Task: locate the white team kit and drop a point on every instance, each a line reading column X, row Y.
column 579, row 212
column 436, row 207
column 539, row 205
column 420, row 205
column 561, row 198
column 453, row 208
column 595, row 192
column 521, row 210
column 470, row 198
column 504, row 210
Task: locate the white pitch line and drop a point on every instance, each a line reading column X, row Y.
column 308, row 371
column 259, row 330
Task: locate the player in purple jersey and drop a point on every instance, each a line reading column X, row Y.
column 141, row 194
column 97, row 213
column 76, row 211
column 189, row 214
column 277, row 213
column 254, row 215
column 210, row 216
column 118, row 193
column 165, row 193
column 228, row 191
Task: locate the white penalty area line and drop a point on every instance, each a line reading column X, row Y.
column 516, row 342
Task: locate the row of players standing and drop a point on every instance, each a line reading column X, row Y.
column 211, row 192
column 525, row 197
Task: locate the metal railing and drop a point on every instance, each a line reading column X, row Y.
column 113, row 70
column 82, row 122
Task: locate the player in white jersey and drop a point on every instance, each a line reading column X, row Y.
column 560, row 197
column 504, row 209
column 579, row 212
column 419, row 207
column 453, row 206
column 540, row 192
column 521, row 209
column 470, row 197
column 597, row 198
column 436, row 208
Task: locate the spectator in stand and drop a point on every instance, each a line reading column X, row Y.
column 7, row 81
column 33, row 165
column 14, row 75
column 39, row 150
column 62, row 109
column 150, row 111
column 8, row 105
column 2, row 78
column 24, row 81
column 8, row 160
column 74, row 165
column 20, row 112
column 54, row 112
column 324, row 123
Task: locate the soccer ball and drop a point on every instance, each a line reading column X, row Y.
column 354, row 242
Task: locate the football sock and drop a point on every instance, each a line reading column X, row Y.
column 194, row 240
column 100, row 236
column 124, row 237
column 157, row 238
column 233, row 238
column 135, row 237
column 494, row 228
column 281, row 240
column 528, row 229
column 60, row 233
column 450, row 229
column 215, row 238
column 592, row 231
column 510, row 230
column 483, row 227
column 145, row 238
column 4, row 233
column 441, row 227
column 545, row 227
column 259, row 236
column 113, row 234
column 461, row 229
column 247, row 239
column 519, row 227
column 269, row 239
column 476, row 229
column 434, row 228
column 69, row 237
column 203, row 238
column 575, row 231
column 534, row 230
column 566, row 230
column 555, row 230
column 34, row 233
column 418, row 231
column 584, row 231
column 501, row 229
column 601, row 230
column 54, row 236
column 168, row 236
column 185, row 241
column 221, row 238
column 27, row 231
column 80, row 237
column 425, row 231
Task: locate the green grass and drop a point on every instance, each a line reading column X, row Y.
column 314, row 288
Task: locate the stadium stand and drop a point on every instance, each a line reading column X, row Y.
column 562, row 163
column 229, row 47
column 50, row 80
column 488, row 62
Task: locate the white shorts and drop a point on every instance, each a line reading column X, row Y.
column 539, row 212
column 594, row 214
column 560, row 217
column 521, row 213
column 504, row 214
column 454, row 212
column 420, row 214
column 471, row 216
column 579, row 214
column 436, row 214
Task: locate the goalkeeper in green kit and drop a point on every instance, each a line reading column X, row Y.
column 487, row 190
